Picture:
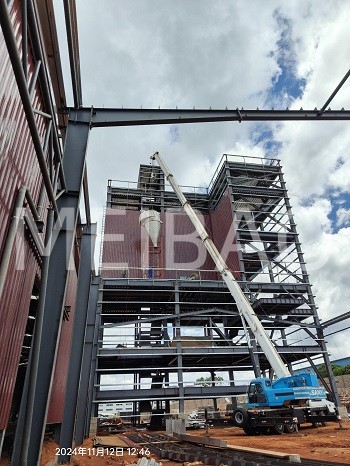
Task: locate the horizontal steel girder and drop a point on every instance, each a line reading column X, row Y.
column 103, row 117
column 158, row 351
column 104, row 396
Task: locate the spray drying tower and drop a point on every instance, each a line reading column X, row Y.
column 167, row 318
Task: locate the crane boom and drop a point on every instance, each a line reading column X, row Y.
column 243, row 305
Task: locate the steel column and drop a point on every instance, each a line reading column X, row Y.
column 179, row 349
column 60, row 261
column 83, row 411
column 77, row 346
column 94, row 376
column 26, row 409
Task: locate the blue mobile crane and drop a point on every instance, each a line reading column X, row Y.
column 275, row 405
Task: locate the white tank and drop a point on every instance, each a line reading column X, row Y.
column 150, row 219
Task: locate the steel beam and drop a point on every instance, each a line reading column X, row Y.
column 159, row 352
column 77, row 345
column 70, row 13
column 104, row 117
column 334, row 93
column 336, row 320
column 83, row 417
column 106, row 396
column 60, row 257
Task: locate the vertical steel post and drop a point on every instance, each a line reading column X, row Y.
column 91, row 409
column 77, row 345
column 179, row 350
column 25, row 414
column 82, row 407
column 60, row 261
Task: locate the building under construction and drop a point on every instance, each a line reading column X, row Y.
column 166, row 317
column 159, row 316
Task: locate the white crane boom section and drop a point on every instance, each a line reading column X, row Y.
column 243, row 305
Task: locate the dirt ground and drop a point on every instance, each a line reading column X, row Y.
column 323, row 443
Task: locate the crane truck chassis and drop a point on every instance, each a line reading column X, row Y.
column 256, row 421
column 276, row 405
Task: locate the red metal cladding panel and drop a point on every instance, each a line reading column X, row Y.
column 223, row 232
column 121, row 243
column 184, row 250
column 14, row 305
column 18, row 163
column 181, row 248
column 18, row 167
column 61, row 368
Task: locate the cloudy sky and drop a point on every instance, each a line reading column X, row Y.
column 219, row 54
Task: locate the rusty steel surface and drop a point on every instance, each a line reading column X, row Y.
column 61, row 369
column 18, row 167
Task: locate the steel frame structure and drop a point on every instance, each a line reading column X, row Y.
column 150, row 345
column 65, row 180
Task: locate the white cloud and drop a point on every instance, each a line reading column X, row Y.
column 343, row 217
column 203, row 53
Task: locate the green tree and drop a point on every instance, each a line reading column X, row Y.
column 337, row 370
column 207, row 382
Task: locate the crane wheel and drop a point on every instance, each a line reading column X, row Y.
column 323, row 423
column 289, row 428
column 277, row 429
column 240, row 418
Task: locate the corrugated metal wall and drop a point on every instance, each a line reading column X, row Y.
column 224, row 234
column 117, row 250
column 18, row 167
column 122, row 243
column 60, row 376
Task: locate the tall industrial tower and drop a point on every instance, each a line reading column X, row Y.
column 166, row 317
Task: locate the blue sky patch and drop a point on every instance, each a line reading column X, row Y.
column 174, row 134
column 286, row 85
column 262, row 135
column 340, row 213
